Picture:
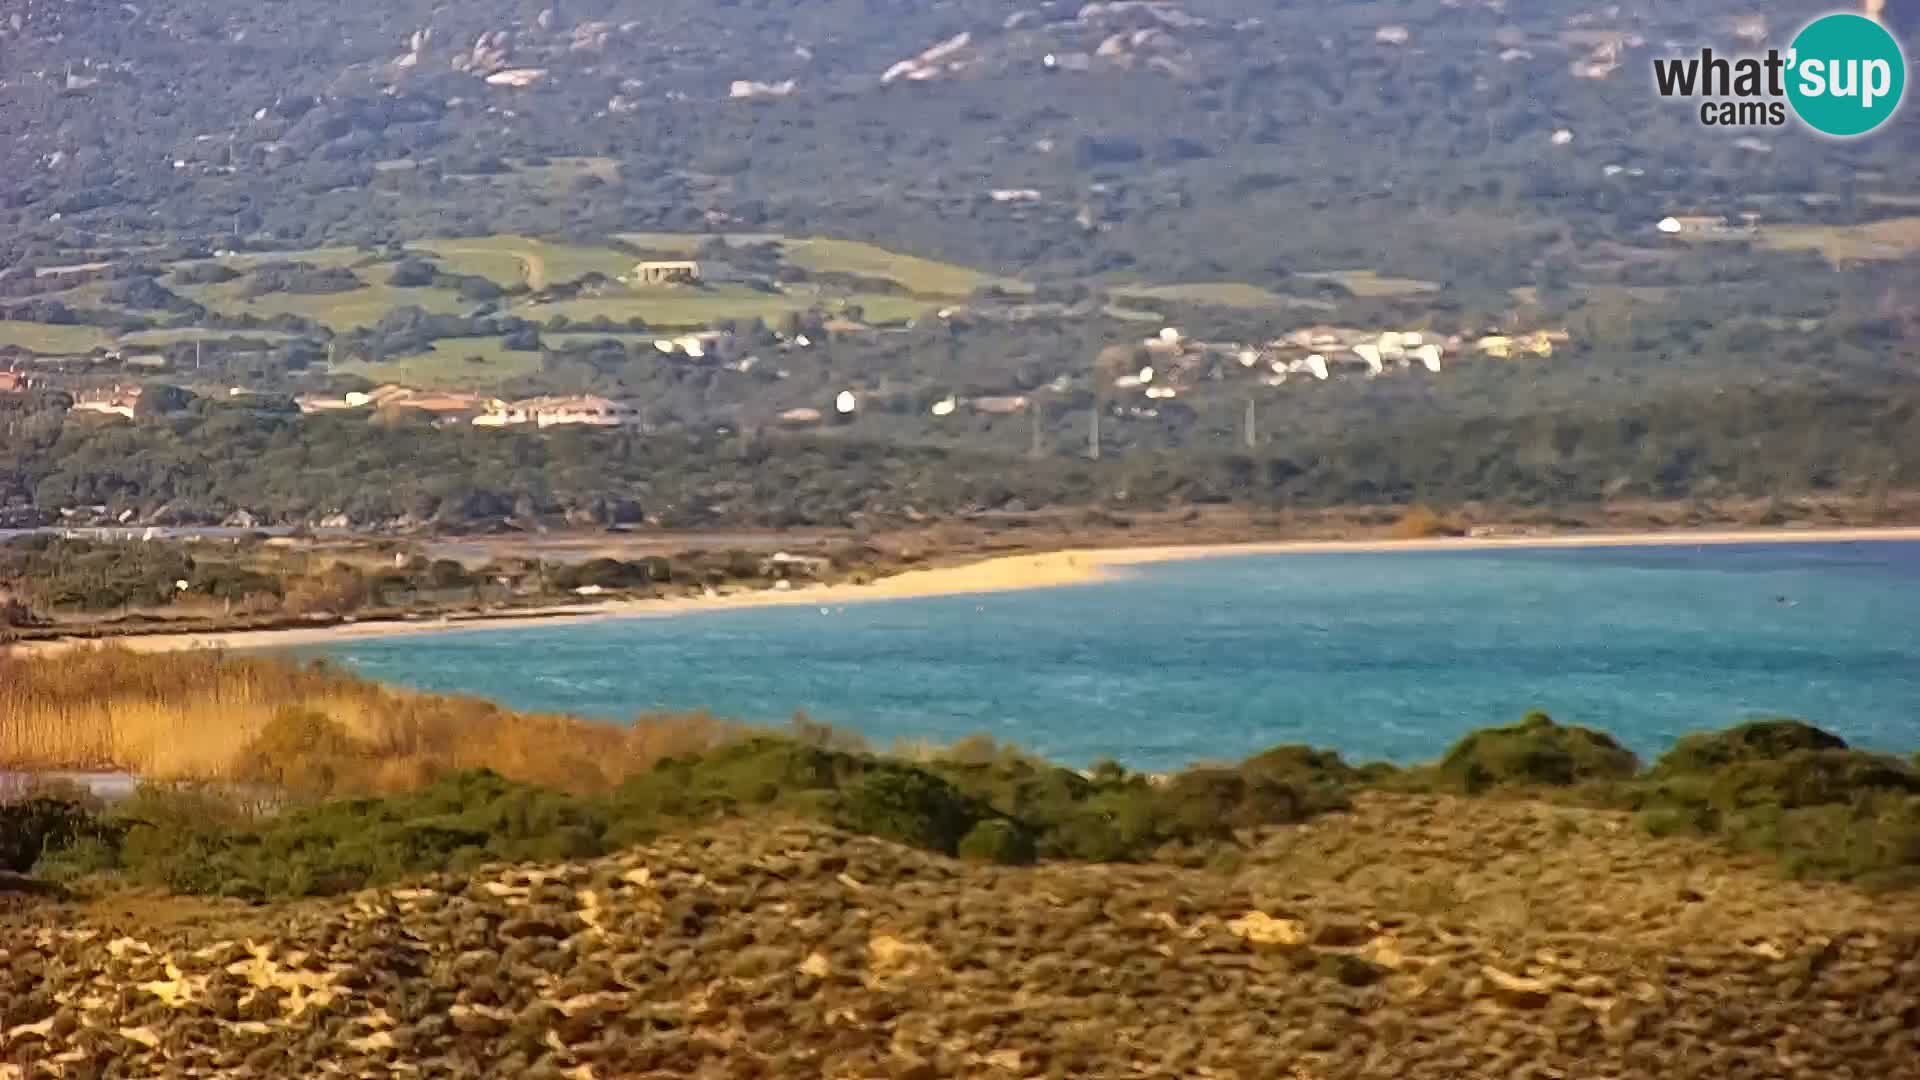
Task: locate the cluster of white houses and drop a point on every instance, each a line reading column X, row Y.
column 1170, row 362
column 543, row 412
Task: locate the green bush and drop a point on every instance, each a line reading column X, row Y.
column 910, row 805
column 1792, row 791
column 31, row 828
column 1810, row 778
column 1319, row 779
column 1113, row 824
column 1760, row 739
column 1535, row 751
column 1210, row 803
column 998, row 840
column 1017, row 786
column 194, row 842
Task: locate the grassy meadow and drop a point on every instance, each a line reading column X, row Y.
column 450, row 363
column 827, row 255
column 337, row 311
column 1890, row 238
column 323, row 257
column 923, row 277
column 156, row 339
column 49, row 338
column 1368, row 284
column 1217, row 294
column 515, row 260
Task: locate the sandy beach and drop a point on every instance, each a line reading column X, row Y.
column 1001, row 574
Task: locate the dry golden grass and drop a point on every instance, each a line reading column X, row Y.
column 1886, row 239
column 1420, row 522
column 1890, row 238
column 199, row 716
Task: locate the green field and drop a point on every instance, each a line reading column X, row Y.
column 449, row 366
column 339, row 311
column 1892, row 238
column 573, row 339
column 48, row 338
column 924, row 277
column 688, row 243
column 825, row 255
column 514, row 260
column 159, row 338
column 1218, row 294
column 1366, row 283
column 321, row 257
column 511, row 260
column 1598, row 296
column 680, row 308
column 677, row 308
column 1127, row 314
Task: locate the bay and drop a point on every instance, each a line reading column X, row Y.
column 1380, row 655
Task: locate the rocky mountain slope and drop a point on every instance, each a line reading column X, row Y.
column 1413, row 937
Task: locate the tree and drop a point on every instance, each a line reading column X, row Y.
column 161, row 399
column 411, row 274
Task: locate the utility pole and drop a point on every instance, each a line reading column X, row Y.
column 1249, row 426
column 1093, row 435
column 197, row 344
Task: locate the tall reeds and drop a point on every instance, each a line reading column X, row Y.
column 201, row 715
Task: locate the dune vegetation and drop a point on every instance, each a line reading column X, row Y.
column 268, row 779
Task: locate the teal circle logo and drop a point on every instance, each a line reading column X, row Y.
column 1846, row 74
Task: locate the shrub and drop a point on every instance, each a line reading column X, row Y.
column 1810, row 778
column 1209, row 803
column 1016, row 786
column 998, row 840
column 31, row 828
column 1790, row 790
column 448, row 574
column 1420, row 522
column 1115, row 824
column 1318, row 778
column 411, row 274
column 195, row 845
column 1760, row 739
column 301, row 751
column 1535, row 751
column 910, row 805
column 206, row 273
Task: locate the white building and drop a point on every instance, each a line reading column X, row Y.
column 544, row 412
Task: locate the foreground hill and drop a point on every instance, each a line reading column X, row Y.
column 1415, row 936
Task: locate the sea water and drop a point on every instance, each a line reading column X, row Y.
column 1388, row 655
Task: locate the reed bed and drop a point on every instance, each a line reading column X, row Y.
column 210, row 716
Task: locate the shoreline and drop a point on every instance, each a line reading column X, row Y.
column 995, row 574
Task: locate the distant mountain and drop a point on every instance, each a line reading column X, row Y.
column 1167, row 138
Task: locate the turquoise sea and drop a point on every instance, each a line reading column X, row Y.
column 1379, row 655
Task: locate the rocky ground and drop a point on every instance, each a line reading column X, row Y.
column 1414, row 937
